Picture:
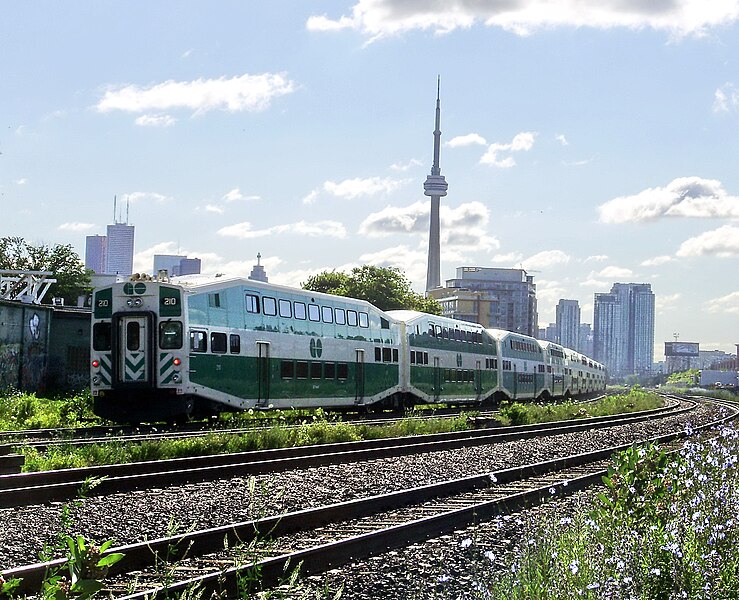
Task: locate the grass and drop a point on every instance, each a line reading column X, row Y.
column 20, row 410
column 319, row 429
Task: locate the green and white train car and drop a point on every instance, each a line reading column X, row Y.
column 246, row 344
column 522, row 366
column 450, row 361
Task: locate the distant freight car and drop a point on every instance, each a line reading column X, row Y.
column 168, row 351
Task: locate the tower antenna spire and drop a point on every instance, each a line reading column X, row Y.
column 435, row 187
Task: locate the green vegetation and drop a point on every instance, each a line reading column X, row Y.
column 685, row 378
column 19, row 410
column 666, row 526
column 387, row 288
column 318, row 429
column 522, row 414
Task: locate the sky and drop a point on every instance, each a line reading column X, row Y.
column 588, row 141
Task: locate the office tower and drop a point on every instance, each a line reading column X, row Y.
column 623, row 328
column 96, row 250
column 120, row 249
column 568, row 323
column 498, row 298
column 435, row 187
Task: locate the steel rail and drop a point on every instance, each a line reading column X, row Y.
column 55, row 486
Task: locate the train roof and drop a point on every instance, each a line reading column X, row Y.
column 409, row 316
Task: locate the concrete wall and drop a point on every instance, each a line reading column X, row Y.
column 24, row 338
column 68, row 368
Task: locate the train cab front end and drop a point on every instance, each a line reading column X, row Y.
column 138, row 353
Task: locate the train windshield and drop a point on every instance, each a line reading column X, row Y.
column 170, row 335
column 101, row 336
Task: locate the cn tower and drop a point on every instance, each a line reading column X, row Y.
column 435, row 186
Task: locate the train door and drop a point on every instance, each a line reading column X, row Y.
column 478, row 379
column 134, row 363
column 437, row 379
column 262, row 373
column 359, row 376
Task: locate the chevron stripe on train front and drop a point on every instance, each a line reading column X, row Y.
column 106, row 369
column 135, row 366
column 166, row 367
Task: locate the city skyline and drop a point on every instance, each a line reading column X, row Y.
column 588, row 143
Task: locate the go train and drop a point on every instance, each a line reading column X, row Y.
column 166, row 351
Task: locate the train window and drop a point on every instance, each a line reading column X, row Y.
column 301, row 369
column 316, row 372
column 342, row 371
column 351, row 318
column 218, row 342
column 432, row 331
column 329, row 370
column 413, row 357
column 314, row 314
column 287, row 369
column 425, row 358
column 269, row 305
column 437, row 330
column 101, row 336
column 363, row 319
column 340, row 314
column 378, row 354
column 445, row 333
column 495, row 363
column 285, row 307
column 299, row 308
column 198, row 341
column 170, row 335
column 234, row 342
column 395, row 355
column 327, row 314
column 214, row 300
column 387, row 355
column 384, row 323
column 133, row 335
column 549, row 369
column 252, row 303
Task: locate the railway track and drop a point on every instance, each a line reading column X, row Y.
column 322, row 538
column 62, row 485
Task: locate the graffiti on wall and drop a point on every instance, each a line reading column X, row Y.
column 9, row 365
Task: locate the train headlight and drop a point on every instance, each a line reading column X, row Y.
column 176, row 377
column 137, row 302
column 96, row 380
column 129, row 303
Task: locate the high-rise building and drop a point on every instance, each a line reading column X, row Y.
column 497, row 298
column 568, row 323
column 435, row 187
column 96, row 251
column 176, row 264
column 189, row 266
column 120, row 249
column 585, row 344
column 623, row 328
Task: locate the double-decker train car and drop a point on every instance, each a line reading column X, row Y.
column 166, row 351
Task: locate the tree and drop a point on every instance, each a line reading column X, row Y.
column 73, row 279
column 387, row 288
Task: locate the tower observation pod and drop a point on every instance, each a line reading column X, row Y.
column 435, row 186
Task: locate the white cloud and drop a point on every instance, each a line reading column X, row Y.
column 615, row 273
column 545, row 259
column 76, row 226
column 726, row 99
column 380, row 18
column 319, row 228
column 722, row 242
column 214, row 209
column 682, row 197
column 155, row 121
column 21, row 181
column 724, row 304
column 665, row 302
column 656, row 261
column 415, row 219
column 237, row 94
column 522, row 142
column 512, row 258
column 350, row 189
column 596, row 258
column 134, row 197
column 562, row 139
column 471, row 139
column 402, row 167
column 235, row 195
column 311, row 197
